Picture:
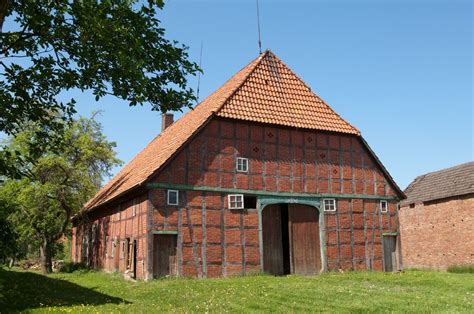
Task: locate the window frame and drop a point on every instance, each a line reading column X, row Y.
column 242, row 159
column 229, row 200
column 381, row 207
column 329, row 210
column 168, row 197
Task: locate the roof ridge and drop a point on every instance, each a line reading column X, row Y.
column 313, row 93
column 257, row 61
column 449, row 168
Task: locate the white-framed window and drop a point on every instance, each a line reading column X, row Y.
column 383, row 206
column 329, row 204
column 134, row 207
column 236, row 201
column 242, row 164
column 173, row 197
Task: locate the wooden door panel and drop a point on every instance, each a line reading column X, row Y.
column 272, row 240
column 389, row 249
column 305, row 251
column 164, row 255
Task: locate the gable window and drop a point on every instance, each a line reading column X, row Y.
column 383, row 206
column 173, row 197
column 236, row 201
column 242, row 164
column 329, row 205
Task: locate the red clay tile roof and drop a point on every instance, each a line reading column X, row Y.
column 265, row 91
column 274, row 94
column 165, row 145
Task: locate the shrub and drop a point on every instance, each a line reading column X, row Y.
column 72, row 267
column 461, row 269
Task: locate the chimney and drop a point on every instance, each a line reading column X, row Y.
column 166, row 120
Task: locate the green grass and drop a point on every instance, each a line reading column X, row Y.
column 82, row 291
column 461, row 269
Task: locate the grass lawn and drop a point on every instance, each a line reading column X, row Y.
column 412, row 291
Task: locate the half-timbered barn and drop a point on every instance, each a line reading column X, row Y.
column 262, row 176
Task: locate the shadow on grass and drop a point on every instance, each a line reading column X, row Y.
column 25, row 290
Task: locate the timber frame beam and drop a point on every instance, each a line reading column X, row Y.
column 184, row 187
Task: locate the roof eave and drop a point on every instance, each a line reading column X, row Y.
column 399, row 191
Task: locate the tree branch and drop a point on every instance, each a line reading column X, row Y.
column 23, row 36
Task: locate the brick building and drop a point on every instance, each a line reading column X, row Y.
column 261, row 176
column 437, row 219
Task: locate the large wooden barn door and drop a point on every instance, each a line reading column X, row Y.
column 272, row 240
column 305, row 254
column 164, row 255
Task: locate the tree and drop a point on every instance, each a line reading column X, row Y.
column 110, row 47
column 8, row 236
column 56, row 185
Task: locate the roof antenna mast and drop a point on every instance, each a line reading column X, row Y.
column 199, row 74
column 258, row 26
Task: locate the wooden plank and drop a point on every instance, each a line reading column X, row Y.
column 374, row 228
column 389, row 248
column 272, row 240
column 352, row 235
column 223, row 252
column 204, row 234
column 180, row 242
column 399, row 243
column 164, row 232
column 197, row 262
column 164, row 257
column 366, row 242
column 338, row 239
column 304, row 238
column 242, row 241
column 184, row 187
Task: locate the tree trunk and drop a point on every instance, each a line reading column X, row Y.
column 46, row 258
column 3, row 12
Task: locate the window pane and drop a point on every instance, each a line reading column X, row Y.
column 172, row 197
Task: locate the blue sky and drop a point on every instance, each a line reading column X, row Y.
column 400, row 71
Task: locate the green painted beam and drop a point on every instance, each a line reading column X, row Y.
column 164, row 232
column 184, row 187
column 390, row 233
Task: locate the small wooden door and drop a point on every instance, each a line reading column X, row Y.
column 389, row 253
column 132, row 257
column 305, row 254
column 272, row 240
column 164, row 255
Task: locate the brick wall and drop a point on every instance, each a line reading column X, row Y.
column 225, row 242
column 281, row 160
column 438, row 234
column 114, row 224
